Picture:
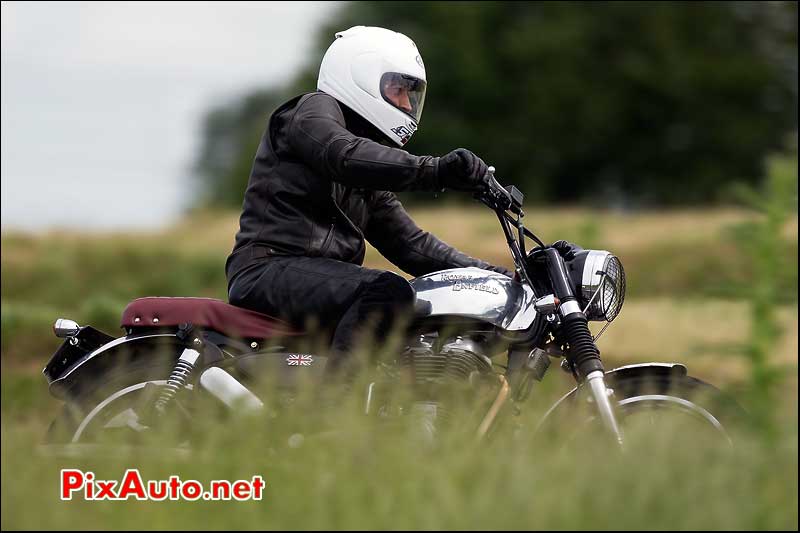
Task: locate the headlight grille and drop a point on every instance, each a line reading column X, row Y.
column 603, row 287
column 612, row 293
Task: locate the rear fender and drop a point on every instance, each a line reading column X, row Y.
column 69, row 378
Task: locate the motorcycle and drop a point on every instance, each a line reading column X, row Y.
column 176, row 350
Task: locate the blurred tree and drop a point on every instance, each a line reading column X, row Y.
column 763, row 243
column 614, row 102
column 230, row 138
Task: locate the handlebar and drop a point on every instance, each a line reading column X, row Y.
column 497, row 197
column 501, row 200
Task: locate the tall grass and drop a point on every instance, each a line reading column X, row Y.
column 336, row 469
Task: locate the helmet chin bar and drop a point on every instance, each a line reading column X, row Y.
column 404, row 132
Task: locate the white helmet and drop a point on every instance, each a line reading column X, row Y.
column 379, row 74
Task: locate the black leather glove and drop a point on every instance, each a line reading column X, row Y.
column 461, row 170
column 508, row 273
column 566, row 249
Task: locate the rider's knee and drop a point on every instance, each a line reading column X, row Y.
column 392, row 289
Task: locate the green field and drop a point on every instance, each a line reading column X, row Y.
column 686, row 279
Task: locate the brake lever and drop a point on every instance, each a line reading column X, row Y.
column 492, row 181
column 501, row 199
column 491, row 199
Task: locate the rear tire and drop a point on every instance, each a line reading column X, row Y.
column 65, row 426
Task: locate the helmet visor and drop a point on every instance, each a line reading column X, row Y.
column 404, row 92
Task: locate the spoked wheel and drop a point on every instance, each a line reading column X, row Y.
column 121, row 412
column 642, row 415
column 668, row 411
column 127, row 416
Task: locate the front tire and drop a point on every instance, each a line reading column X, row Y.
column 672, row 406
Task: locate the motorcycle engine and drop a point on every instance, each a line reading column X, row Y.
column 455, row 361
column 444, row 374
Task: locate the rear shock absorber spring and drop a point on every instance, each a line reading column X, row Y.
column 178, row 378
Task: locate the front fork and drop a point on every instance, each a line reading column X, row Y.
column 601, row 396
column 584, row 358
column 583, row 355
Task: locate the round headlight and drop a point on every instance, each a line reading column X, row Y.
column 599, row 283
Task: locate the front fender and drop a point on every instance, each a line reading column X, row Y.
column 629, row 373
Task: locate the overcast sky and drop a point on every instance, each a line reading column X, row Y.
column 102, row 102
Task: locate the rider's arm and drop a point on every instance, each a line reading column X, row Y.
column 318, row 135
column 395, row 235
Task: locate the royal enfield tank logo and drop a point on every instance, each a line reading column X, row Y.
column 405, row 132
column 455, row 277
column 463, row 282
column 463, row 285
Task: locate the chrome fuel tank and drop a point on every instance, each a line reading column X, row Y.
column 475, row 293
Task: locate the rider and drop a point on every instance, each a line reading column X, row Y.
column 322, row 181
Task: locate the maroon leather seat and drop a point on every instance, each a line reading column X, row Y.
column 205, row 313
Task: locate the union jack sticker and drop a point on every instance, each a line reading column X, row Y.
column 296, row 359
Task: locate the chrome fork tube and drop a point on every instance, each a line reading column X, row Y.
column 600, row 395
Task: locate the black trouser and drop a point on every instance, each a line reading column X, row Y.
column 335, row 294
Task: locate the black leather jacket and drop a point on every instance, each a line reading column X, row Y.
column 321, row 183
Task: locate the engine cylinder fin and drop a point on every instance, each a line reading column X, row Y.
column 448, row 365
